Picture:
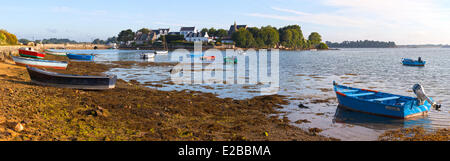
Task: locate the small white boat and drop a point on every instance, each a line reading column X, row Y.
column 147, row 55
column 162, row 52
column 55, row 53
column 240, row 52
column 40, row 63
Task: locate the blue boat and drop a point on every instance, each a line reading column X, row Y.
column 384, row 104
column 80, row 57
column 410, row 62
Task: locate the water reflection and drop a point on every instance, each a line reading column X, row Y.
column 346, row 116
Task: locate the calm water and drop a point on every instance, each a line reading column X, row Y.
column 306, row 77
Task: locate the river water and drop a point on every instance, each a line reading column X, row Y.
column 305, row 77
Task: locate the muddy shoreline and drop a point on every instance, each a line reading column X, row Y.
column 134, row 112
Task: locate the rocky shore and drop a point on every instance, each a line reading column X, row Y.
column 133, row 112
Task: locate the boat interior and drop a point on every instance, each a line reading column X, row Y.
column 374, row 96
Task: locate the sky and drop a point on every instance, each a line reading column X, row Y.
column 401, row 21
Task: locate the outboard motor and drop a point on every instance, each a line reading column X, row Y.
column 421, row 96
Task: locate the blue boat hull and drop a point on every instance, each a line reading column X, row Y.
column 379, row 103
column 80, row 57
column 409, row 62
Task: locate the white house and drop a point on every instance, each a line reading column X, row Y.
column 193, row 37
column 186, row 30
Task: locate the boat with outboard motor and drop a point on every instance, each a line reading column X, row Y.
column 384, row 104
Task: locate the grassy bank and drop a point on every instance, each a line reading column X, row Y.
column 133, row 112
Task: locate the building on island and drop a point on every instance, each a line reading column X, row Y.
column 234, row 28
column 143, row 38
column 160, row 32
column 186, row 30
column 193, row 37
column 174, row 33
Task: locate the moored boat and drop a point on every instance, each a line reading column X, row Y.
column 231, row 59
column 29, row 52
column 80, row 57
column 47, row 78
column 40, row 63
column 208, row 57
column 411, row 62
column 55, row 53
column 147, row 55
column 162, row 52
column 384, row 104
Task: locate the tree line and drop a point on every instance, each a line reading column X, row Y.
column 288, row 37
column 7, row 38
column 362, row 44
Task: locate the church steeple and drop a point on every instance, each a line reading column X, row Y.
column 235, row 26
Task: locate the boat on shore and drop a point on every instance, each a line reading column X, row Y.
column 147, row 55
column 384, row 104
column 30, row 52
column 80, row 57
column 40, row 63
column 55, row 53
column 410, row 62
column 165, row 52
column 46, row 78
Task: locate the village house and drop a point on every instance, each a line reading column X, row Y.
column 186, row 30
column 160, row 32
column 193, row 37
column 142, row 38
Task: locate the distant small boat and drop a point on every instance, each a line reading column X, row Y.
column 162, row 52
column 384, row 104
column 231, row 59
column 147, row 55
column 80, row 57
column 411, row 62
column 55, row 53
column 312, row 49
column 47, row 78
column 240, row 52
column 40, row 63
column 29, row 52
column 208, row 57
column 194, row 55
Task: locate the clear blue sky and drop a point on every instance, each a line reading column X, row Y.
column 402, row 21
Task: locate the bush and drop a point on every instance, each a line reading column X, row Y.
column 322, row 46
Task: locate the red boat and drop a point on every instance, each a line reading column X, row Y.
column 207, row 57
column 29, row 52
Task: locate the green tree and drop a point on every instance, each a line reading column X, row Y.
column 2, row 39
column 315, row 38
column 144, row 30
column 111, row 40
column 322, row 46
column 269, row 36
column 98, row 41
column 292, row 37
column 212, row 32
column 24, row 41
column 125, row 35
column 204, row 30
column 10, row 39
column 244, row 38
column 221, row 33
